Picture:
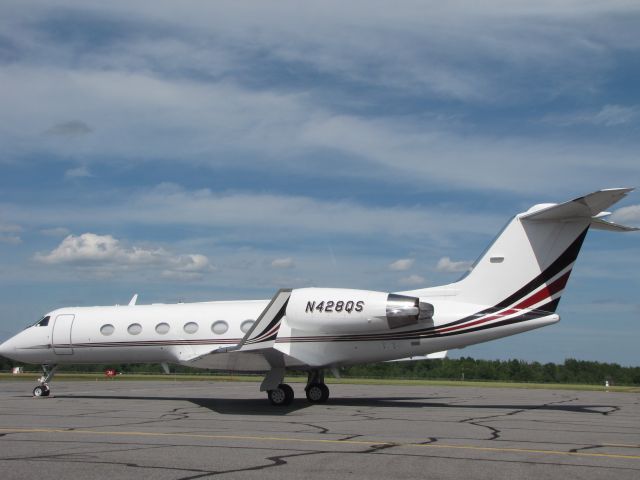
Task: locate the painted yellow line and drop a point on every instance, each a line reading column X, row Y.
column 320, row 440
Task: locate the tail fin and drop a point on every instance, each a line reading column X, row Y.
column 529, row 263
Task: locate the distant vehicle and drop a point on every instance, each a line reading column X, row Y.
column 514, row 286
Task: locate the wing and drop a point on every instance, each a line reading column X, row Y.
column 249, row 353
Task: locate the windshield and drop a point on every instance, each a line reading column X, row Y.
column 43, row 322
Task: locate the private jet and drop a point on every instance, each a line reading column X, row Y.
column 513, row 287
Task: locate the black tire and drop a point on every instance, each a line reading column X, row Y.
column 288, row 391
column 317, row 393
column 40, row 391
column 281, row 396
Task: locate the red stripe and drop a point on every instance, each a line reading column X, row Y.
column 477, row 322
column 546, row 292
column 537, row 297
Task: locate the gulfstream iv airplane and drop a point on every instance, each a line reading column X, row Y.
column 513, row 287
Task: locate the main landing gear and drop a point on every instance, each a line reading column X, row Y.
column 316, row 390
column 281, row 394
column 317, row 393
column 43, row 390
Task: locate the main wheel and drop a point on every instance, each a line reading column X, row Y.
column 317, row 393
column 281, row 396
column 288, row 392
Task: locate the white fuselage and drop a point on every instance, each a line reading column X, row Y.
column 185, row 333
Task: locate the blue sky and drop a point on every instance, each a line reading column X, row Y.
column 221, row 150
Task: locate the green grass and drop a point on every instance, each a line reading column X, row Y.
column 30, row 376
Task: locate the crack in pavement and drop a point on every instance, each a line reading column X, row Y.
column 321, row 430
column 496, row 432
column 589, row 447
column 427, row 442
column 277, row 461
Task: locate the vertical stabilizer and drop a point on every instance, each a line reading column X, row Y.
column 529, row 263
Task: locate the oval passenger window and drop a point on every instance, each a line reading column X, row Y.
column 162, row 328
column 107, row 329
column 246, row 325
column 191, row 327
column 134, row 328
column 219, row 327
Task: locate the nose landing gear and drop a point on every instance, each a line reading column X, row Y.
column 43, row 390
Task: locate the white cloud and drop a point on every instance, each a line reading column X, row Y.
column 413, row 280
column 203, row 92
column 283, row 263
column 629, row 214
column 191, row 263
column 105, row 254
column 10, row 228
column 608, row 116
column 78, row 172
column 445, row 264
column 10, row 239
column 274, row 215
column 71, row 128
column 9, row 234
column 612, row 115
column 401, row 264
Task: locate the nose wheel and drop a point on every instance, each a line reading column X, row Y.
column 43, row 390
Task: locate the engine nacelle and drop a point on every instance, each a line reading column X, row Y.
column 341, row 310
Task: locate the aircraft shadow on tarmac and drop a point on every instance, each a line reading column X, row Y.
column 260, row 406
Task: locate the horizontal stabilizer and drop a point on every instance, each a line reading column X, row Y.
column 583, row 207
column 600, row 224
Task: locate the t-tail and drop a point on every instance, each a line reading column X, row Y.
column 529, row 263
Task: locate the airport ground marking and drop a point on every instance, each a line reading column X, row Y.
column 329, row 441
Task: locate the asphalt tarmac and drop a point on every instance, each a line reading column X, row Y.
column 187, row 430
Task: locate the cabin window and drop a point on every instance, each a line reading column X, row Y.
column 134, row 329
column 191, row 327
column 246, row 325
column 43, row 323
column 219, row 327
column 107, row 329
column 162, row 328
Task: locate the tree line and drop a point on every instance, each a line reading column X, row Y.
column 465, row 368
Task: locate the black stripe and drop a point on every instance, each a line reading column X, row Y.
column 563, row 261
column 149, row 343
column 525, row 316
column 272, row 324
column 544, row 311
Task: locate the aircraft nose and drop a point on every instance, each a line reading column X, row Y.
column 6, row 348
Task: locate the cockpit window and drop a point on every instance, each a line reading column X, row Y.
column 43, row 323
